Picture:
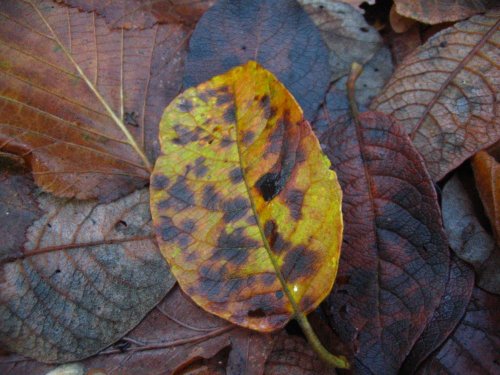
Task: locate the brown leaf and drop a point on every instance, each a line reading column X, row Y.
column 405, row 43
column 88, row 274
column 446, row 316
column 346, row 33
column 487, row 175
column 399, row 23
column 467, row 236
column 438, row 11
column 18, row 204
column 292, row 355
column 474, row 346
column 144, row 14
column 51, row 117
column 174, row 335
column 278, row 34
column 394, row 264
column 445, row 93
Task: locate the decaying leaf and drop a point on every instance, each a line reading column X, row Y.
column 18, row 205
column 467, row 236
column 445, row 93
column 399, row 23
column 245, row 208
column 144, row 13
column 50, row 116
column 278, row 34
column 474, row 346
column 446, row 316
column 394, row 265
column 487, row 175
column 88, row 274
column 346, row 33
column 405, row 43
column 439, row 11
column 174, row 335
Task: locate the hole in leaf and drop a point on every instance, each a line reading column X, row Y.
column 258, row 313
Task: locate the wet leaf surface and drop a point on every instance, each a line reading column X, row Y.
column 174, row 335
column 241, row 197
column 439, row 11
column 88, row 274
column 278, row 34
column 446, row 316
column 18, row 204
column 474, row 346
column 467, row 235
column 144, row 14
column 487, row 176
column 445, row 93
column 394, row 264
column 51, row 117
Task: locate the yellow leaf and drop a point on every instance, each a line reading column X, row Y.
column 246, row 209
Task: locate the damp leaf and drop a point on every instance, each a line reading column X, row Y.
column 49, row 113
column 244, row 205
column 445, row 93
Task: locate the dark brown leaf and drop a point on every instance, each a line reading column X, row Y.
column 403, row 44
column 446, row 317
column 445, row 93
column 144, row 14
column 439, row 11
column 88, row 274
column 49, row 114
column 18, row 204
column 394, row 262
column 467, row 236
column 474, row 347
column 277, row 34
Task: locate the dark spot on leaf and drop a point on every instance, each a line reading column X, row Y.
column 226, row 141
column 200, row 169
column 236, row 176
column 168, row 231
column 232, row 255
column 244, row 48
column 230, row 115
column 248, row 137
column 257, row 313
column 443, row 44
column 58, row 271
column 279, row 294
column 298, row 263
column 211, row 197
column 185, row 105
column 236, row 239
column 235, row 209
column 364, row 29
column 131, row 119
column 264, row 102
column 269, row 185
column 270, row 231
column 181, row 191
column 159, row 182
column 268, row 279
column 188, row 225
column 224, row 98
column 184, row 135
column 273, row 112
column 294, row 199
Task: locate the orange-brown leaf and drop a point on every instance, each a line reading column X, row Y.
column 487, row 176
column 245, row 207
column 445, row 93
column 50, row 116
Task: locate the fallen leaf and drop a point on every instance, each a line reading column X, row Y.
column 292, row 355
column 405, row 43
column 51, row 117
column 439, row 11
column 144, row 14
column 18, row 205
column 467, row 236
column 276, row 33
column 399, row 23
column 487, row 175
column 445, row 93
column 239, row 199
column 346, row 33
column 174, row 335
column 446, row 316
column 249, row 352
column 88, row 274
column 376, row 73
column 394, row 264
column 474, row 346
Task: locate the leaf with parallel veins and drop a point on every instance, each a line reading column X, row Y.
column 245, row 208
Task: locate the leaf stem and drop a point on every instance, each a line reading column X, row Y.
column 91, row 86
column 325, row 355
column 356, row 70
